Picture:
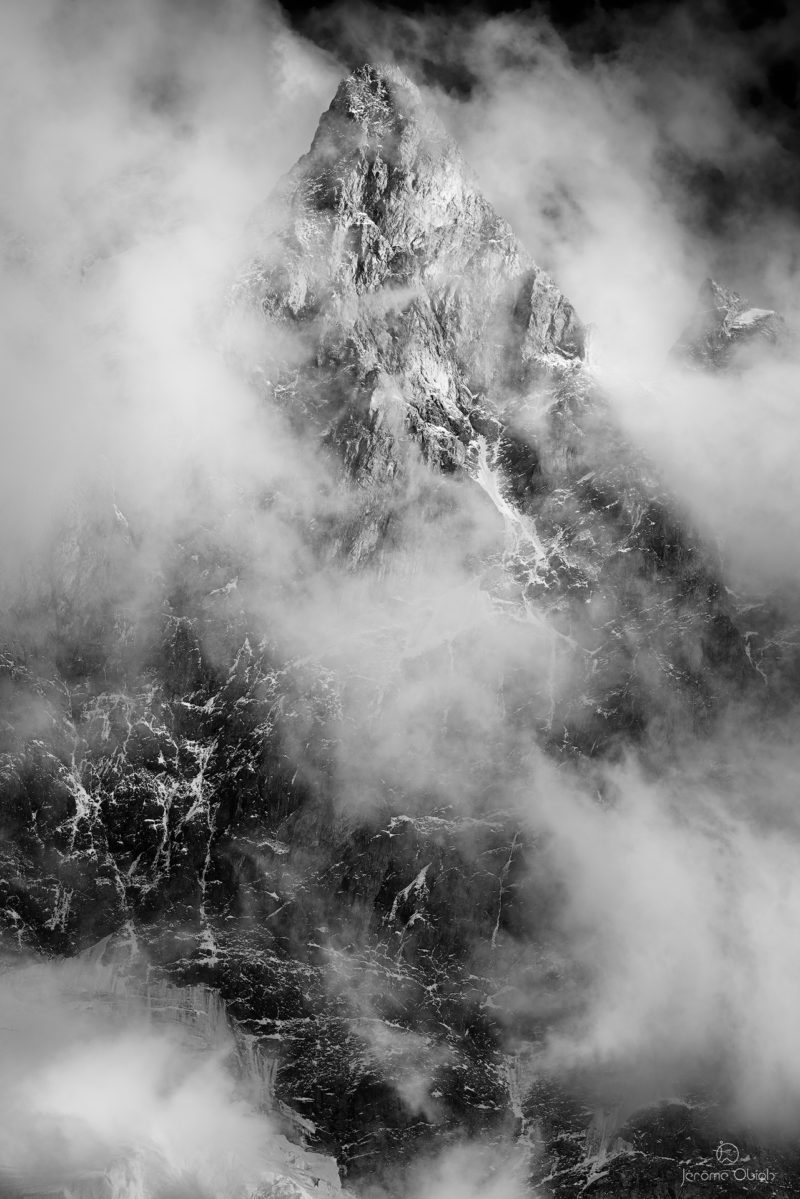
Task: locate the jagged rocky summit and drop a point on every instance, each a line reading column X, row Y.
column 415, row 289
column 724, row 326
column 176, row 772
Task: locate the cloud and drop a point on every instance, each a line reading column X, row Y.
column 91, row 1084
column 141, row 140
column 471, row 1171
column 680, row 913
column 724, row 443
column 464, row 1171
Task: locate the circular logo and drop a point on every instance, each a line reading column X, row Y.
column 727, row 1154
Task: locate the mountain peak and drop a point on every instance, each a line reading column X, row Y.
column 379, row 97
column 383, row 233
column 378, row 109
column 723, row 322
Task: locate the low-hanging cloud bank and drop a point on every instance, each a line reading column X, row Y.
column 681, row 902
column 92, row 1087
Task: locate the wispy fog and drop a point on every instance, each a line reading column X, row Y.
column 93, row 1086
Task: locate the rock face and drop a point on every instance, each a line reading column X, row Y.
column 177, row 772
column 723, row 326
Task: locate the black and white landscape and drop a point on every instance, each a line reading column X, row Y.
column 399, row 627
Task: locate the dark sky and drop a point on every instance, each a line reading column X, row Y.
column 771, row 28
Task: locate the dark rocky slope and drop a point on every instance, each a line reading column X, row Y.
column 184, row 775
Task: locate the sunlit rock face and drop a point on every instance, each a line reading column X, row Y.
column 328, row 831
